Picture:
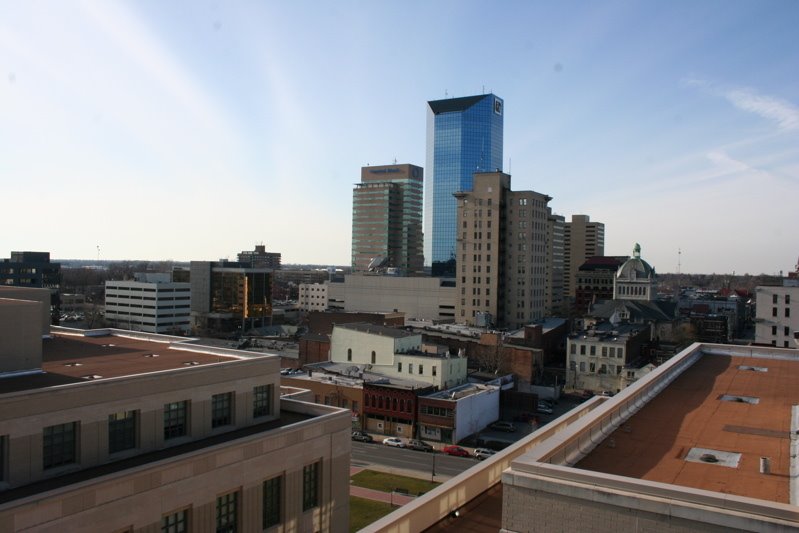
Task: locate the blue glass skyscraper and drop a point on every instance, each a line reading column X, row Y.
column 464, row 136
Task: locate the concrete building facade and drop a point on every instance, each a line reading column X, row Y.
column 150, row 303
column 422, row 298
column 554, row 299
column 211, row 446
column 387, row 218
column 502, row 253
column 777, row 320
column 313, row 297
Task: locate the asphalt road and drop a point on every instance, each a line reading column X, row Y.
column 366, row 455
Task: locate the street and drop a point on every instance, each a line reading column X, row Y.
column 366, row 455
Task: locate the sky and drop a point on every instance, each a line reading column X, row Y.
column 192, row 130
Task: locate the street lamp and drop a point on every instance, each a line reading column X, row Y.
column 433, row 473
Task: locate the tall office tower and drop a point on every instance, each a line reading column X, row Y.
column 582, row 239
column 464, row 136
column 553, row 295
column 502, row 253
column 387, row 218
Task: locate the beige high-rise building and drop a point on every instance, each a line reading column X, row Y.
column 582, row 240
column 502, row 253
column 387, row 218
column 109, row 430
column 553, row 288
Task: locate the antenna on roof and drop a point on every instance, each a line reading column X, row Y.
column 484, row 89
column 446, row 94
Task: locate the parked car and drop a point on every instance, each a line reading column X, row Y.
column 455, row 450
column 394, row 441
column 544, row 409
column 419, row 445
column 606, row 393
column 501, row 425
column 361, row 436
column 483, row 453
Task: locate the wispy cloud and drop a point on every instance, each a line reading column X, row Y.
column 783, row 112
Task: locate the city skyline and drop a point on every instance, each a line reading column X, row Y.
column 189, row 133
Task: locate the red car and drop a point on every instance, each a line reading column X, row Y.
column 455, row 450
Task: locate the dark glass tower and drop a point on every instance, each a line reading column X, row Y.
column 464, row 136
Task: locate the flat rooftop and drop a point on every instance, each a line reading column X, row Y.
column 722, row 405
column 76, row 358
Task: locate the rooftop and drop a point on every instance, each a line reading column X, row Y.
column 75, row 358
column 374, row 329
column 726, row 404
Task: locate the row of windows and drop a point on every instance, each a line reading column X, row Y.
column 436, row 411
column 775, row 299
column 420, row 366
column 786, row 330
column 603, row 369
column 228, row 506
column 787, row 312
column 60, row 441
column 386, row 402
column 606, row 351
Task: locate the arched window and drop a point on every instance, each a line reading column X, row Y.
column 381, row 403
column 409, row 406
column 402, row 405
column 394, row 405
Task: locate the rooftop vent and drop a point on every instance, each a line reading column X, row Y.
column 753, row 368
column 713, row 457
column 739, row 399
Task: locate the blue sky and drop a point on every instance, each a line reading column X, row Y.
column 193, row 130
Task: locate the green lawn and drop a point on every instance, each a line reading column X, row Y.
column 389, row 482
column 363, row 512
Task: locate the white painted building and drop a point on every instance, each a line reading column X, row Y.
column 777, row 314
column 606, row 358
column 395, row 353
column 151, row 303
column 473, row 406
column 313, row 296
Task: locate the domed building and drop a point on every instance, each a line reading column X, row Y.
column 635, row 279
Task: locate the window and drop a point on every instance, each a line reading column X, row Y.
column 604, row 351
column 122, row 431
column 787, row 331
column 592, row 367
column 787, row 312
column 434, row 370
column 349, row 354
column 176, row 419
column 176, row 522
column 787, row 299
column 310, row 486
column 593, row 350
column 262, row 400
column 773, row 311
column 410, row 368
column 227, row 513
column 399, row 366
column 773, row 330
column 221, row 409
column 421, row 369
column 582, row 366
column 573, row 349
column 59, row 445
column 272, row 493
column 582, row 349
column 620, row 352
column 374, row 357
